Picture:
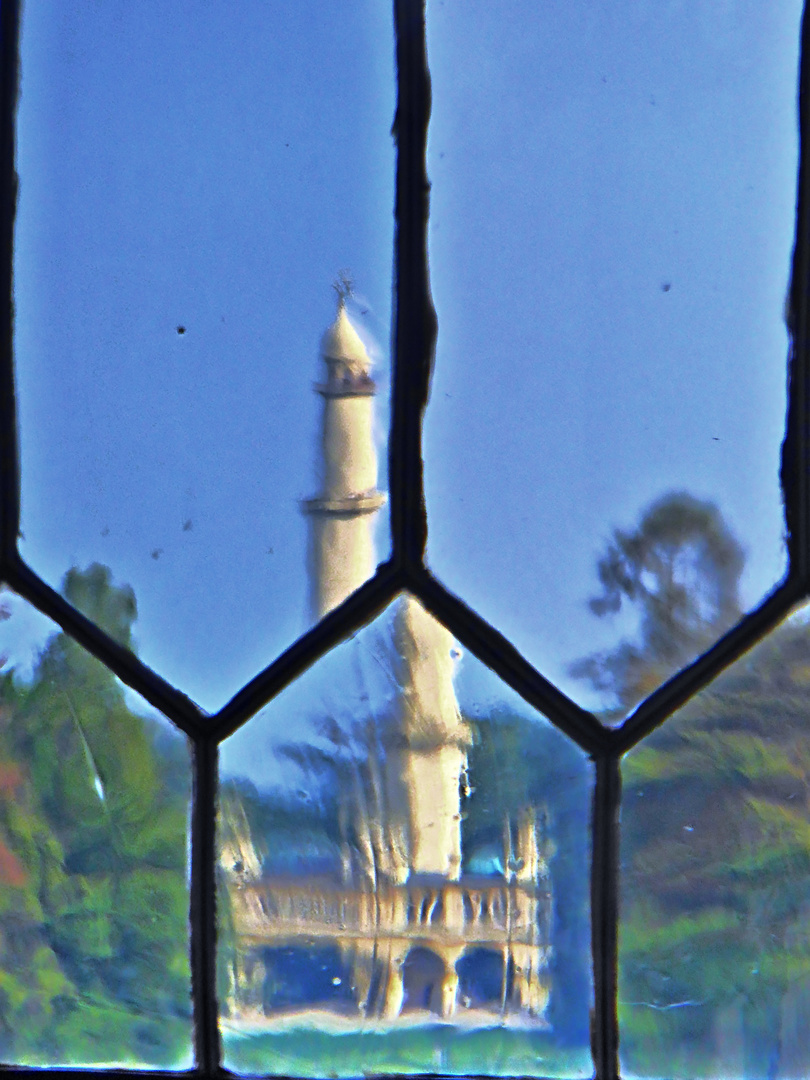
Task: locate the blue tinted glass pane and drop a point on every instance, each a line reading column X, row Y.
column 612, row 216
column 192, row 180
column 94, row 892
column 714, row 953
column 404, row 871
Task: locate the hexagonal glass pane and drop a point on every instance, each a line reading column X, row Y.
column 94, row 880
column 714, row 953
column 191, row 183
column 612, row 219
column 404, row 852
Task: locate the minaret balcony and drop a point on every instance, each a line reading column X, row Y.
column 348, row 385
column 349, row 506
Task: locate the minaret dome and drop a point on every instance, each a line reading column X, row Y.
column 341, row 344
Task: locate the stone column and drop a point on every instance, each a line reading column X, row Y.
column 247, row 984
column 394, row 988
column 530, row 990
column 362, row 968
column 449, row 988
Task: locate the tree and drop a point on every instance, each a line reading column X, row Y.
column 95, row 943
column 679, row 571
column 714, row 949
column 716, row 856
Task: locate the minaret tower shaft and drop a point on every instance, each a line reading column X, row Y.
column 428, row 764
column 342, row 516
column 427, row 752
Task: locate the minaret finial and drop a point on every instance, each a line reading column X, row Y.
column 343, row 286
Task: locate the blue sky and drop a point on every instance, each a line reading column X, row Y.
column 613, row 194
column 214, row 174
column 613, row 199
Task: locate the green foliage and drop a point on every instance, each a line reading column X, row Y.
column 112, row 607
column 714, row 947
column 679, row 573
column 716, row 855
column 94, row 800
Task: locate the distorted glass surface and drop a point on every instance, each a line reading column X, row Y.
column 714, row 945
column 94, row 887
column 612, row 217
column 192, row 181
column 403, row 859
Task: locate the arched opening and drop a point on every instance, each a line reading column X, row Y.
column 298, row 976
column 422, row 977
column 480, row 979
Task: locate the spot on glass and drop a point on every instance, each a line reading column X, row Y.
column 714, row 968
column 612, row 218
column 94, row 882
column 190, row 185
column 403, row 860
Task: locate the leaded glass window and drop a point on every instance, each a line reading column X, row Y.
column 402, row 845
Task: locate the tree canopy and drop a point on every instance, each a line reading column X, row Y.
column 716, row 871
column 94, row 960
column 715, row 857
column 678, row 571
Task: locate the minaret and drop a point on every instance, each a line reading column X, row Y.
column 341, row 539
column 430, row 761
column 427, row 751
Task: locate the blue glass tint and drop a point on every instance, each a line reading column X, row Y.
column 403, row 871
column 94, row 887
column 192, row 181
column 714, row 951
column 612, row 216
